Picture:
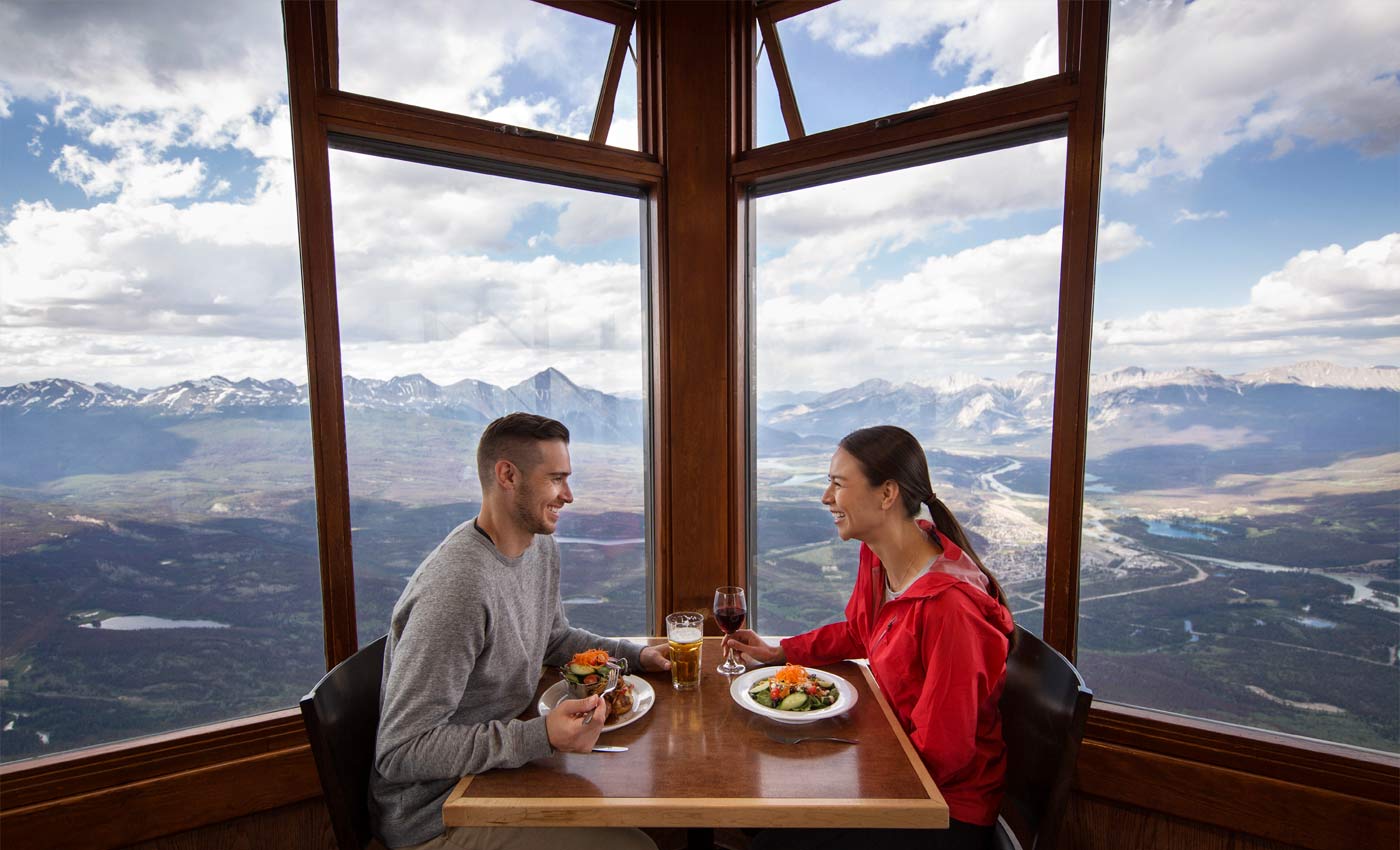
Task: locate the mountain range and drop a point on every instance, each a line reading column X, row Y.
column 590, row 414
column 1316, row 396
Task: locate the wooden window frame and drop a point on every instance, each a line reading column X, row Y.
column 1270, row 785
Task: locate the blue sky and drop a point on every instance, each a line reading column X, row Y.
column 149, row 228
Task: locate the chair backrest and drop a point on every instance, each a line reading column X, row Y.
column 1044, row 707
column 342, row 719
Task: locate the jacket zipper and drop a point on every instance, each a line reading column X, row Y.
column 888, row 626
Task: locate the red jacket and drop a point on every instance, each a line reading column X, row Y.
column 938, row 652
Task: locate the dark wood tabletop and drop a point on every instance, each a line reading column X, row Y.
column 697, row 759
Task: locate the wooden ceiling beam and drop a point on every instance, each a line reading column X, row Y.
column 615, row 12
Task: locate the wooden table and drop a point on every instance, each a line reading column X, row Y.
column 699, row 760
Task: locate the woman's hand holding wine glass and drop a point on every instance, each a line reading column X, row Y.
column 730, row 610
column 750, row 647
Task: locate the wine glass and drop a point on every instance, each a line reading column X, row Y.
column 730, row 611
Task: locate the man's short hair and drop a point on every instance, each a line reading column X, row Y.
column 515, row 437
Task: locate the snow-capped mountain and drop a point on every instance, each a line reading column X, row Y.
column 590, row 414
column 1268, row 403
column 1320, row 373
column 1019, row 409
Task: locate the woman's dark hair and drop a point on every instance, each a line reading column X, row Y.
column 890, row 453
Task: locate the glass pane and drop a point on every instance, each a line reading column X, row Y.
column 768, row 111
column 511, row 61
column 464, row 297
column 1241, row 531
column 624, row 132
column 856, row 60
column 158, row 562
column 924, row 298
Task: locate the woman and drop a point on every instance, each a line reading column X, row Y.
column 932, row 620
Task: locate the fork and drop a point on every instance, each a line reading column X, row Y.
column 797, row 739
column 607, row 689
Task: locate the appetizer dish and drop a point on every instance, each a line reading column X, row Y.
column 588, row 673
column 793, row 689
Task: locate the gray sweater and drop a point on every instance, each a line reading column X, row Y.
column 466, row 642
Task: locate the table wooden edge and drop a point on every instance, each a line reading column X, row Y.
column 930, row 812
column 688, row 811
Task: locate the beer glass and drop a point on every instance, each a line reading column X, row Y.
column 685, row 633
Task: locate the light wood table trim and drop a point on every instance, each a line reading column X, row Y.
column 926, row 810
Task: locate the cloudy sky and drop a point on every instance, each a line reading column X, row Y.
column 1251, row 201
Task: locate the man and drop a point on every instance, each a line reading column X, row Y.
column 466, row 641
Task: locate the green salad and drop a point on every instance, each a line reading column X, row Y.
column 793, row 689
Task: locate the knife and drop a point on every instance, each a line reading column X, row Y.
column 607, row 749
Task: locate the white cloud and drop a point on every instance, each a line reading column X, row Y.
column 832, row 229
column 989, row 310
column 997, row 43
column 1330, row 303
column 462, row 57
column 137, row 176
column 588, row 219
column 1204, row 215
column 1188, row 83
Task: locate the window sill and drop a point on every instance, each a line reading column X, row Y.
column 1303, row 793
column 130, row 792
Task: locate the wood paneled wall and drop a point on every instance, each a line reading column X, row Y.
column 1091, row 824
column 305, row 826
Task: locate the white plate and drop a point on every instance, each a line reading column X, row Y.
column 643, row 697
column 845, row 696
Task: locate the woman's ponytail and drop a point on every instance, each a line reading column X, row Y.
column 948, row 526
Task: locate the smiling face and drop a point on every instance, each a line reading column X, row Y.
column 856, row 505
column 543, row 489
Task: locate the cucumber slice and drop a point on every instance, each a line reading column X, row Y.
column 792, row 702
column 761, row 686
column 581, row 670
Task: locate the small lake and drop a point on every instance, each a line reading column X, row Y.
column 1182, row 530
column 1316, row 622
column 139, row 622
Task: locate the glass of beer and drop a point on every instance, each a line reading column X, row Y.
column 685, row 631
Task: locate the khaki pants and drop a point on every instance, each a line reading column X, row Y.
column 550, row 838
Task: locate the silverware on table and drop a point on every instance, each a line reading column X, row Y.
column 797, row 739
column 607, row 689
column 603, row 748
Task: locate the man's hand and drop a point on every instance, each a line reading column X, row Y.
column 656, row 659
column 753, row 649
column 566, row 728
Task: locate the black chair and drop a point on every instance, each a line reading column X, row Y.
column 342, row 718
column 1044, row 706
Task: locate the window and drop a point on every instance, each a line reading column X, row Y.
column 852, row 61
column 1240, row 534
column 465, row 296
column 925, row 298
column 511, row 62
column 158, row 564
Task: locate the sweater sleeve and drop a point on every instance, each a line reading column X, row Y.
column 565, row 641
column 956, row 643
column 433, row 660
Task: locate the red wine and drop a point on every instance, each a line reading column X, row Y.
column 730, row 619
